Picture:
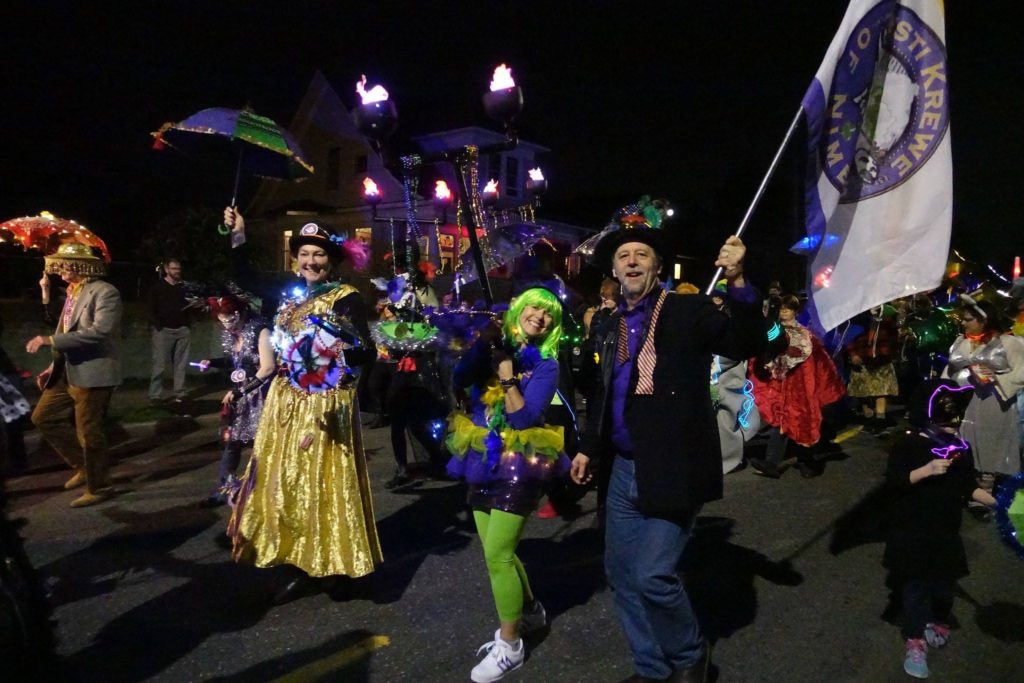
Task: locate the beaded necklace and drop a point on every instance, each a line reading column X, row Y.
column 237, row 344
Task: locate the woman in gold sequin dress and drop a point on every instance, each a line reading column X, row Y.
column 305, row 497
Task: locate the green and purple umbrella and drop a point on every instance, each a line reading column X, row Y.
column 264, row 148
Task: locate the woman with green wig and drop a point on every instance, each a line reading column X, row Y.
column 508, row 456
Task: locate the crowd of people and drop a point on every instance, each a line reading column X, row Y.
column 679, row 389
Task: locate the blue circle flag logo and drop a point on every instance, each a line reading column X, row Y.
column 888, row 109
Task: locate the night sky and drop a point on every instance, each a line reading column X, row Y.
column 685, row 100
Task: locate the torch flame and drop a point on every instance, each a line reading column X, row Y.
column 46, row 214
column 502, row 79
column 375, row 94
column 491, row 187
column 1016, row 267
column 535, row 174
column 441, row 191
column 370, row 188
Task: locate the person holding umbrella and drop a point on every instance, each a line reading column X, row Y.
column 85, row 370
column 305, row 499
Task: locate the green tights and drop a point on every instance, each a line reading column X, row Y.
column 499, row 533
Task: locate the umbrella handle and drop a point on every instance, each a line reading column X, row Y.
column 44, row 288
column 223, row 229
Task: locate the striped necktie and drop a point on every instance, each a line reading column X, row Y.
column 622, row 342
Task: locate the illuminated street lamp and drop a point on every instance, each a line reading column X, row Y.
column 504, row 101
column 371, row 194
column 536, row 184
column 489, row 195
column 442, row 200
column 376, row 117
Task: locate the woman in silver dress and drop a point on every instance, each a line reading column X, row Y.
column 249, row 357
column 992, row 361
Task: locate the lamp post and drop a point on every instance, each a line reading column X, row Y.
column 371, row 195
column 536, row 184
column 442, row 200
column 504, row 100
column 489, row 195
column 377, row 117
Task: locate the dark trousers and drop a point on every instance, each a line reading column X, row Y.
column 420, row 430
column 83, row 446
column 778, row 444
column 925, row 602
column 378, row 386
column 230, row 458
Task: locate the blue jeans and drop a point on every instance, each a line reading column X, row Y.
column 641, row 555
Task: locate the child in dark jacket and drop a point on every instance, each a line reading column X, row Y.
column 931, row 476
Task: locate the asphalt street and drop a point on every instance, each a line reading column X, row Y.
column 786, row 576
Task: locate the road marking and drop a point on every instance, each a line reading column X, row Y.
column 317, row 670
column 852, row 431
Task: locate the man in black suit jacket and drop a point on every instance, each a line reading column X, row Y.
column 653, row 414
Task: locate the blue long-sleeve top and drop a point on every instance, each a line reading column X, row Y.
column 537, row 386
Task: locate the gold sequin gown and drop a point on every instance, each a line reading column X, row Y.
column 305, row 498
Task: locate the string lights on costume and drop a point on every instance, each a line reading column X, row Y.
column 1009, row 514
column 311, row 348
column 410, row 184
column 748, row 405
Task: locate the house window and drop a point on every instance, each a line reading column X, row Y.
column 361, row 164
column 333, row 168
column 511, row 176
column 493, row 166
column 286, row 252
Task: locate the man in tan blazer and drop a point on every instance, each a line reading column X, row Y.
column 85, row 369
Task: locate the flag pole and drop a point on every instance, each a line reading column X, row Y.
column 762, row 188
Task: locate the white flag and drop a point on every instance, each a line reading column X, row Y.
column 879, row 189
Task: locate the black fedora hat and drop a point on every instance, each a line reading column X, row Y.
column 317, row 235
column 631, row 228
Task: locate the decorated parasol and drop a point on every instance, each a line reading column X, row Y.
column 47, row 232
column 403, row 336
column 459, row 328
column 501, row 245
column 264, row 148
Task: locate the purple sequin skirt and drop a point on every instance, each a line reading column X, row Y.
column 515, row 484
column 245, row 415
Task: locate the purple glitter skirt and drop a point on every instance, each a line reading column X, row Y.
column 515, row 484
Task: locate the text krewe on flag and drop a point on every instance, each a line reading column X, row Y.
column 879, row 182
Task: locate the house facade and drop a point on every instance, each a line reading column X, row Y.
column 334, row 194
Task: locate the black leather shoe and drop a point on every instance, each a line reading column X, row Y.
column 698, row 673
column 378, row 422
column 299, row 587
column 810, row 470
column 400, row 479
column 765, row 468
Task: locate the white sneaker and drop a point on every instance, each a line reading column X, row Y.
column 500, row 659
column 534, row 618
